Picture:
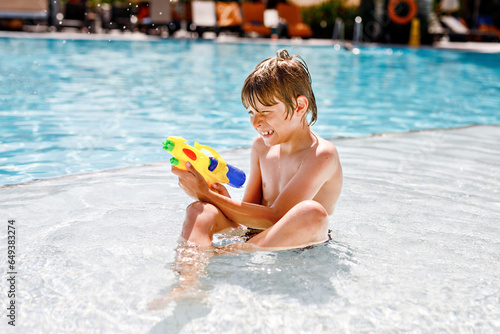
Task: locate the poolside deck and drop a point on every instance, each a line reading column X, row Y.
column 224, row 38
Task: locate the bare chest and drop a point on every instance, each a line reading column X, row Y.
column 277, row 171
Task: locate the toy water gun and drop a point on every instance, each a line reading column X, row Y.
column 214, row 169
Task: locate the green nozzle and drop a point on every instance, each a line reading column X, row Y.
column 168, row 145
column 174, row 161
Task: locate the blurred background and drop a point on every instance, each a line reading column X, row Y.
column 412, row 22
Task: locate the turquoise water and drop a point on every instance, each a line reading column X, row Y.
column 71, row 106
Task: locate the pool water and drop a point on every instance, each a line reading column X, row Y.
column 72, row 106
column 415, row 249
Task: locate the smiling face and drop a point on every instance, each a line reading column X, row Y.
column 272, row 122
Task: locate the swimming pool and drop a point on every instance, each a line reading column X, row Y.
column 72, row 106
column 415, row 233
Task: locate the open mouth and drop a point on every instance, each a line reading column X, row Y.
column 266, row 134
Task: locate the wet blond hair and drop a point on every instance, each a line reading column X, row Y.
column 283, row 78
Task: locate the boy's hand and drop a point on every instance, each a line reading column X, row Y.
column 192, row 182
column 219, row 188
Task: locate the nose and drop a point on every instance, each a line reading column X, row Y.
column 256, row 120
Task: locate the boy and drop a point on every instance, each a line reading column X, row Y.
column 295, row 178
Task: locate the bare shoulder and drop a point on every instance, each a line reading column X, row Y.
column 258, row 142
column 330, row 172
column 258, row 146
column 326, row 151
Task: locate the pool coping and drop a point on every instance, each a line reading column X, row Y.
column 493, row 48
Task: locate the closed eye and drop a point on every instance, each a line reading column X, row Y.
column 265, row 112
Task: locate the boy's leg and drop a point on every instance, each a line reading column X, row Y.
column 203, row 220
column 305, row 224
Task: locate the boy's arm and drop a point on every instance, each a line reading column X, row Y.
column 311, row 176
column 248, row 214
column 253, row 189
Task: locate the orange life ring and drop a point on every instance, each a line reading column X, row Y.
column 395, row 17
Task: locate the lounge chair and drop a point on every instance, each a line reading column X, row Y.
column 20, row 14
column 459, row 32
column 486, row 24
column 160, row 18
column 75, row 15
column 295, row 26
column 229, row 16
column 24, row 9
column 204, row 17
column 118, row 17
column 215, row 16
column 253, row 18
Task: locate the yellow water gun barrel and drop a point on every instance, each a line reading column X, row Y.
column 214, row 169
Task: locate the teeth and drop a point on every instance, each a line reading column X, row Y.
column 267, row 132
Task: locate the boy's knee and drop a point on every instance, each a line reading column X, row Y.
column 200, row 218
column 201, row 208
column 313, row 208
column 201, row 215
column 313, row 212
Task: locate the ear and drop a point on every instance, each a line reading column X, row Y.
column 302, row 105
